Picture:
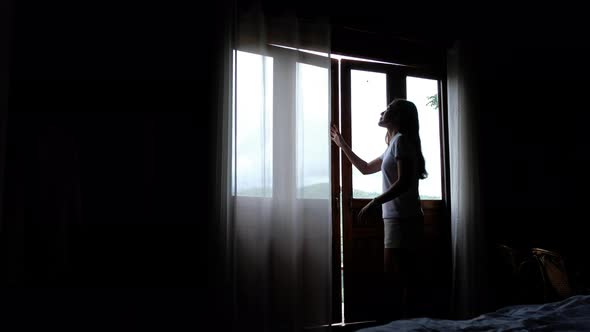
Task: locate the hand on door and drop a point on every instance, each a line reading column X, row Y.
column 336, row 136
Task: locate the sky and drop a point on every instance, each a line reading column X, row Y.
column 368, row 100
column 253, row 147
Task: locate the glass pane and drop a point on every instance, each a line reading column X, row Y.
column 424, row 93
column 368, row 100
column 253, row 125
column 313, row 141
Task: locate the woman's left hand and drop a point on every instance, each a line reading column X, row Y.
column 364, row 211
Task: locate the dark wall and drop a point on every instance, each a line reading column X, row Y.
column 109, row 221
column 533, row 114
column 534, row 139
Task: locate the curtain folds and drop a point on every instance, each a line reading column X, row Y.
column 275, row 169
column 467, row 226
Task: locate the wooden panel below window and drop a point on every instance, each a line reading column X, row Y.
column 363, row 264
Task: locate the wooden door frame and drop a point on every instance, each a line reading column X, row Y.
column 336, row 190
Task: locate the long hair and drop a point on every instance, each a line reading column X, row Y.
column 406, row 115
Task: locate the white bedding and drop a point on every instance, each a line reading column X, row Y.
column 571, row 314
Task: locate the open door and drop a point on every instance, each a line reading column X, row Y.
column 366, row 88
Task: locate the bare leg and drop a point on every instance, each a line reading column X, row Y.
column 395, row 282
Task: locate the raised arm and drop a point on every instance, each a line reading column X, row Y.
column 364, row 167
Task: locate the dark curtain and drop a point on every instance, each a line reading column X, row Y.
column 528, row 92
column 107, row 205
column 535, row 117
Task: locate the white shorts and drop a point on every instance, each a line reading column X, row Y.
column 403, row 232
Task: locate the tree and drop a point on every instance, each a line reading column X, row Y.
column 433, row 101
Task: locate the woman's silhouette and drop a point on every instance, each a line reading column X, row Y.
column 402, row 166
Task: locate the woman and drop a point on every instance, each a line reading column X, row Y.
column 402, row 165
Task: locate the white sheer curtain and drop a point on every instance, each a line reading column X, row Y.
column 468, row 240
column 277, row 171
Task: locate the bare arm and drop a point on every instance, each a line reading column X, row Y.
column 364, row 167
column 397, row 188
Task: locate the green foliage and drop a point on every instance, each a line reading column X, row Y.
column 314, row 191
column 321, row 191
column 429, row 198
column 433, row 101
column 254, row 192
column 364, row 194
column 318, row 191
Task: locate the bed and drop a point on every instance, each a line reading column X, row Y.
column 571, row 314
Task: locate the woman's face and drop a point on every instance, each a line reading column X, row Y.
column 387, row 119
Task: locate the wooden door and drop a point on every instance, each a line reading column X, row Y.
column 363, row 241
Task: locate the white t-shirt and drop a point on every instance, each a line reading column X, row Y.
column 408, row 203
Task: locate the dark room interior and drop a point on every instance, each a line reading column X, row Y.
column 110, row 169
